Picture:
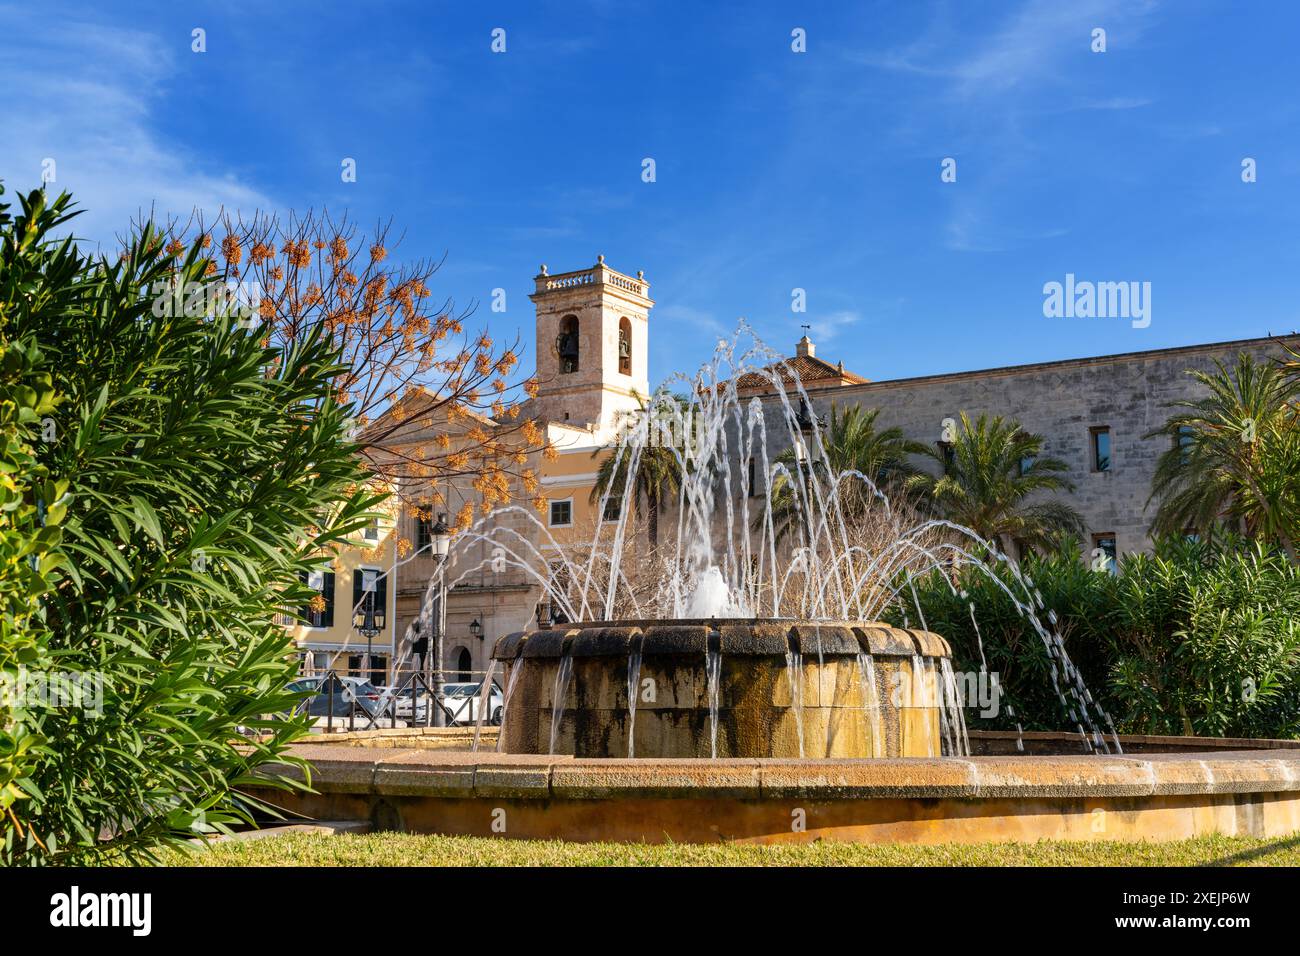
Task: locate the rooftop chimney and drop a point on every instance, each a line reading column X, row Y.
column 804, row 348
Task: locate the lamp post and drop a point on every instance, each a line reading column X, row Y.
column 368, row 622
column 805, row 439
column 419, row 646
column 441, row 544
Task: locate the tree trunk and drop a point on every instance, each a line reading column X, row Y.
column 652, row 518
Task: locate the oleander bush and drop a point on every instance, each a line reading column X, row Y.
column 29, row 533
column 185, row 473
column 1192, row 639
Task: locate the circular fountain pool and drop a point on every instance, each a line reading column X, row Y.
column 729, row 688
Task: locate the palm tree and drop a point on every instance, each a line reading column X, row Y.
column 658, row 477
column 1234, row 455
column 852, row 444
column 988, row 474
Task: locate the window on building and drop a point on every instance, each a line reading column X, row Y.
column 1103, row 546
column 354, row 665
column 320, row 661
column 376, row 598
column 1184, row 440
column 751, row 480
column 561, row 513
column 1100, row 448
column 613, row 508
column 566, row 344
column 1026, row 463
column 372, row 530
column 314, row 613
column 378, row 670
column 624, row 346
column 465, row 665
column 423, row 532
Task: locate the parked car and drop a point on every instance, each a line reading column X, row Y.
column 402, row 705
column 462, row 702
column 350, row 695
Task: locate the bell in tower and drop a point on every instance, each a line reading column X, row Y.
column 567, row 345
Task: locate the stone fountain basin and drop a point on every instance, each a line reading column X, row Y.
column 1161, row 789
column 764, row 708
column 1016, row 787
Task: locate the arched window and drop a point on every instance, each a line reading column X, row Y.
column 624, row 346
column 464, row 664
column 566, row 344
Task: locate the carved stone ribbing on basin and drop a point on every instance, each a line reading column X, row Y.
column 783, row 689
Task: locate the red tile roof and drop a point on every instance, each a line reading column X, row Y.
column 812, row 372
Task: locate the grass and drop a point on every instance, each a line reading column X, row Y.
column 406, row 849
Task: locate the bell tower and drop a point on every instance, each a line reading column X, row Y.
column 592, row 334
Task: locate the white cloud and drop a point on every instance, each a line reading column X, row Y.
column 993, row 84
column 974, row 227
column 690, row 317
column 88, row 96
column 1116, row 103
column 827, row 327
column 1028, row 47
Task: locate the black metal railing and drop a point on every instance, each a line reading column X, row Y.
column 410, row 701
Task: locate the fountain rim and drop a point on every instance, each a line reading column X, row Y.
column 716, row 622
column 729, row 636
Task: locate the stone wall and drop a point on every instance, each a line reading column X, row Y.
column 1063, row 401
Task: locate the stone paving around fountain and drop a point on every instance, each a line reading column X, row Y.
column 1148, row 796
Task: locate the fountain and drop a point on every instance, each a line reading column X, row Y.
column 760, row 633
column 738, row 684
column 722, row 688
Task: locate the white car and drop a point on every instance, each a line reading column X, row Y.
column 402, row 705
column 462, row 702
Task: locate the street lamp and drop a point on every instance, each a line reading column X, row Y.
column 368, row 621
column 441, row 534
column 805, row 438
column 476, row 628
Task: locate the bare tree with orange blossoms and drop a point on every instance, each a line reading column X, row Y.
column 434, row 403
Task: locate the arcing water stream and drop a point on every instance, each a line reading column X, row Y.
column 807, row 543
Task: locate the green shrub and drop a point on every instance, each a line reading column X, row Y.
column 1207, row 642
column 203, row 468
column 29, row 533
column 1004, row 637
column 1190, row 640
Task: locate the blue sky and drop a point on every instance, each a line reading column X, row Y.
column 775, row 170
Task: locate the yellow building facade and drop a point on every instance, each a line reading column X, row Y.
column 591, row 337
column 355, row 580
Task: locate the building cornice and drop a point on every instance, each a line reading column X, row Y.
column 1117, row 358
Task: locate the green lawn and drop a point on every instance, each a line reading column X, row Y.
column 403, row 849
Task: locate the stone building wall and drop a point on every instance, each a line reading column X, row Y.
column 1063, row 401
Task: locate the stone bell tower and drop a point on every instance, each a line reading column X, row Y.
column 592, row 334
